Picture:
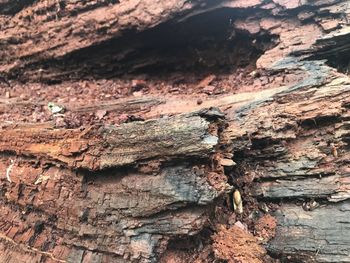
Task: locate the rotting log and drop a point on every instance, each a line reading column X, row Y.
column 321, row 235
column 129, row 212
column 295, row 152
column 97, row 148
column 119, row 216
column 289, row 139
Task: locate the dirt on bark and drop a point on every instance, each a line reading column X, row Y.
column 236, row 245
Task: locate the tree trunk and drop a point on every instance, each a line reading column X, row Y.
column 161, row 111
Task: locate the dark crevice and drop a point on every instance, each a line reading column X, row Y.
column 336, row 52
column 322, row 121
column 191, row 242
column 340, row 61
column 11, row 7
column 199, row 45
column 192, row 245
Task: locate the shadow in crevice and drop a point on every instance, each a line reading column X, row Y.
column 11, row 7
column 199, row 45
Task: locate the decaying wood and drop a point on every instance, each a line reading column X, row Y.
column 289, row 139
column 320, row 235
column 136, row 214
column 97, row 148
column 289, row 149
column 70, row 26
column 116, row 215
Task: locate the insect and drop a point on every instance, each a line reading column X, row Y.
column 237, row 202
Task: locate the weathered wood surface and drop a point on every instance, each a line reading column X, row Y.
column 321, row 235
column 297, row 150
column 97, row 148
column 117, row 216
column 303, row 162
column 58, row 40
column 283, row 138
column 68, row 27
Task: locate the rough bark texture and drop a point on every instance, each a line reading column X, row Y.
column 109, row 216
column 97, row 148
column 160, row 98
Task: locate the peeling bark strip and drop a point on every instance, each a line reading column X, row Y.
column 333, row 188
column 98, row 148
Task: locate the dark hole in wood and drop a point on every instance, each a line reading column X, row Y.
column 199, row 45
